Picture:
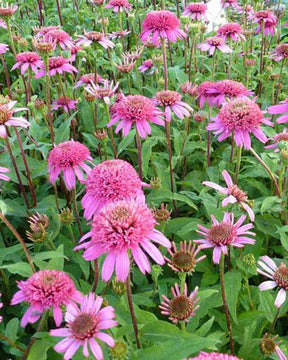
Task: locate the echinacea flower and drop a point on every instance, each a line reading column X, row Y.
column 83, row 328
column 7, row 117
column 230, row 3
column 59, row 37
column 214, row 43
column 207, row 91
column 126, row 65
column 172, row 102
column 214, row 356
column 43, row 290
column 264, row 18
column 119, row 34
column 269, row 346
column 87, row 79
column 43, row 30
column 231, row 30
column 241, row 117
column 6, row 11
column 278, row 276
column 104, row 91
column 3, row 24
column 138, row 110
column 230, row 89
column 189, row 89
column 57, row 65
column 3, row 171
column 3, row 48
column 183, row 260
column 95, row 37
column 147, row 65
column 234, row 194
column 66, row 103
column 112, row 180
column 69, row 157
column 27, row 59
column 119, row 5
column 223, row 234
column 161, row 24
column 277, row 139
column 181, row 307
column 120, row 228
column 279, row 109
column 280, row 52
column 196, row 11
column 74, row 49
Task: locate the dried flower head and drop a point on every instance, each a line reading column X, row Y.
column 269, row 346
column 162, row 214
column 38, row 222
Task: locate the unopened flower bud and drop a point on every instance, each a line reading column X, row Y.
column 120, row 351
column 155, row 183
column 118, row 287
column 66, row 216
column 163, row 214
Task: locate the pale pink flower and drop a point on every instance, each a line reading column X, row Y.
column 7, row 118
column 277, row 139
column 74, row 49
column 119, row 5
column 120, row 228
column 214, row 43
column 280, row 52
column 148, row 66
column 59, row 37
column 207, row 91
column 181, row 307
column 267, row 18
column 3, row 171
column 69, row 157
column 119, row 34
column 43, row 30
column 161, row 24
column 112, row 180
column 84, row 327
column 224, row 234
column 66, row 103
column 230, row 3
column 189, row 89
column 88, row 79
column 231, row 30
column 3, row 24
column 104, row 91
column 43, row 290
column 27, row 59
column 279, row 109
column 6, row 11
column 230, row 89
column 196, row 11
column 3, row 48
column 172, row 102
column 214, row 356
column 278, row 276
column 234, row 194
column 138, row 110
column 57, row 65
column 241, row 117
column 97, row 37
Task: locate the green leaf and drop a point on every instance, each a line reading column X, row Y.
column 12, row 328
column 125, row 142
column 20, row 268
column 232, row 282
column 204, row 329
column 271, row 204
column 146, row 153
column 163, row 195
column 63, row 132
column 39, row 350
column 283, row 236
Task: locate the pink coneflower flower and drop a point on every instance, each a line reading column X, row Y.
column 59, row 37
column 280, row 52
column 3, row 171
column 119, row 34
column 172, row 102
column 119, row 5
column 43, row 290
column 112, row 180
column 74, row 49
column 149, row 43
column 57, row 65
column 66, row 103
column 126, row 65
column 269, row 346
column 207, row 91
column 241, row 117
column 267, row 18
column 277, row 139
column 196, row 11
column 27, row 59
column 183, row 260
column 3, row 24
column 181, row 307
column 231, row 30
column 230, row 3
column 189, row 89
column 88, row 79
column 84, row 326
column 161, row 24
column 278, row 276
column 234, row 194
column 120, row 228
column 7, row 11
column 95, row 37
column 213, row 43
column 279, row 109
column 104, row 91
column 147, row 65
column 230, row 89
column 138, row 110
column 3, row 48
column 214, row 356
column 69, row 157
column 224, row 234
column 43, row 30
column 7, row 118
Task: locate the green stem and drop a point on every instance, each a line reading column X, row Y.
column 238, row 164
column 132, row 312
column 111, row 132
column 11, row 342
column 249, row 293
column 69, row 227
column 10, row 36
column 48, row 100
column 275, row 320
column 139, row 154
column 76, row 212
